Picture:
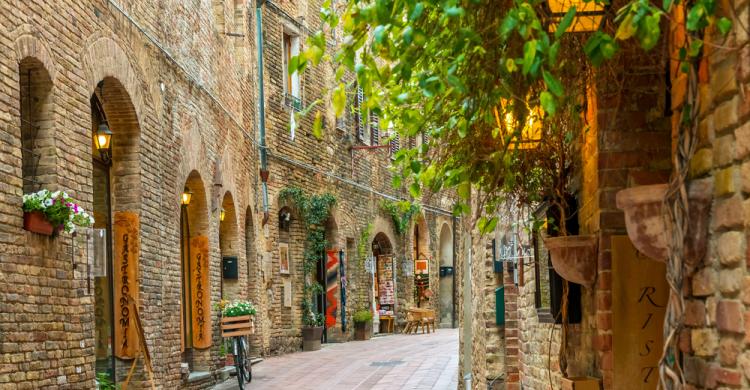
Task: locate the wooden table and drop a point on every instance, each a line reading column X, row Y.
column 386, row 324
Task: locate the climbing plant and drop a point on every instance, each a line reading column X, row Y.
column 314, row 211
column 362, row 244
column 401, row 213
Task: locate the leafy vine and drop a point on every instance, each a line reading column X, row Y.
column 315, row 211
column 401, row 213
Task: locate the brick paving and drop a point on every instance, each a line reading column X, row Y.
column 423, row 361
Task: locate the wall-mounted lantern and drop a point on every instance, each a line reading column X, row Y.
column 186, row 196
column 222, row 215
column 103, row 142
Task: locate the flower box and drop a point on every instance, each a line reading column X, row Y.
column 574, row 257
column 36, row 222
column 237, row 326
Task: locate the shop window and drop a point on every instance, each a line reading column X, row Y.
column 548, row 284
column 292, row 96
column 37, row 149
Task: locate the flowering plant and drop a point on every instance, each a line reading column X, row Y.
column 59, row 209
column 238, row 308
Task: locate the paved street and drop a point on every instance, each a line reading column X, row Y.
column 420, row 361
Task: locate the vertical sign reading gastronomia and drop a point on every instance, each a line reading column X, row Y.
column 200, row 292
column 639, row 298
column 126, row 250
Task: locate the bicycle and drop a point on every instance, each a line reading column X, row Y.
column 238, row 328
column 242, row 361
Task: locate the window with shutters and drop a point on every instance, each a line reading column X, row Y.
column 360, row 116
column 395, row 145
column 292, row 95
column 374, row 130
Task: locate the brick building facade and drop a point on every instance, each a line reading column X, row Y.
column 177, row 84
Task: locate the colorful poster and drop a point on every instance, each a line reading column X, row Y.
column 386, row 286
column 201, row 292
column 125, row 251
column 332, row 286
column 639, row 299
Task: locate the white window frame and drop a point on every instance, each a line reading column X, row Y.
column 287, row 53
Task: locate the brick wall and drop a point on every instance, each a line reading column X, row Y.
column 180, row 97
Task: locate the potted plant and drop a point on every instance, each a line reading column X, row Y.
column 46, row 212
column 362, row 324
column 312, row 331
column 574, row 257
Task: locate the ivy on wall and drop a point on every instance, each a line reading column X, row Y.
column 401, row 213
column 314, row 211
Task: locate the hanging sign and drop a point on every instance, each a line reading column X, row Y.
column 200, row 292
column 125, row 265
column 639, row 299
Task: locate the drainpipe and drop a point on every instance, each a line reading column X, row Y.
column 262, row 109
column 453, row 260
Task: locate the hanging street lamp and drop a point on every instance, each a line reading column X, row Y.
column 531, row 133
column 103, row 142
column 186, row 196
column 589, row 14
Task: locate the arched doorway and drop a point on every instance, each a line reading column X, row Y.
column 116, row 231
column 230, row 250
column 195, row 327
column 446, row 277
column 327, row 275
column 421, row 255
column 384, row 284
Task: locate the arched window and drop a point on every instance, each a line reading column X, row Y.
column 37, row 141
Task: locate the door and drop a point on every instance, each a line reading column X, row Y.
column 445, row 288
column 104, row 329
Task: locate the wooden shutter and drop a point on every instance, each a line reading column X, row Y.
column 374, row 130
column 395, row 144
column 359, row 118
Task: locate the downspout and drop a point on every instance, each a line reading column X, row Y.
column 262, row 109
column 453, row 260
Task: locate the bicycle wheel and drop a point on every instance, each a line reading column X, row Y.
column 239, row 361
column 247, row 365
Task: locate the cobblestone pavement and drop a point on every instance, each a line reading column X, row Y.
column 423, row 361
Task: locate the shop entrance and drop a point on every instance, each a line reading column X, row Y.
column 383, row 285
column 446, row 277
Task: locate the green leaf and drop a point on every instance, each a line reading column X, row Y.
column 566, row 21
column 695, row 48
column 416, row 166
column 548, row 103
column 339, row 100
column 486, row 225
column 314, row 54
column 464, row 190
column 414, row 190
column 510, row 65
column 416, row 12
column 552, row 83
column 724, row 25
column 529, row 54
column 509, row 24
column 317, row 128
column 454, row 11
column 626, row 29
column 696, row 17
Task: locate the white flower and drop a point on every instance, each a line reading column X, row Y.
column 56, row 194
column 48, row 202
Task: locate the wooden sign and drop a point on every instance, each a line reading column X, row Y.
column 200, row 292
column 639, row 299
column 126, row 249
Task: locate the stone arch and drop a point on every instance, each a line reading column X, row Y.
column 27, row 45
column 420, row 238
column 229, row 246
column 446, row 245
column 103, row 58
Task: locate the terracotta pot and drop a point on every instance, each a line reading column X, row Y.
column 574, row 257
column 229, row 360
column 645, row 219
column 311, row 337
column 37, row 222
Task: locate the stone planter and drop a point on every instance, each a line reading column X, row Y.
column 362, row 330
column 311, row 337
column 574, row 257
column 37, row 222
column 645, row 219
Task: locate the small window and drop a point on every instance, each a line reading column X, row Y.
column 292, row 95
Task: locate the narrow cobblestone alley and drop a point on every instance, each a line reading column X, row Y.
column 428, row 361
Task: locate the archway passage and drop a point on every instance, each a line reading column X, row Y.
column 446, row 293
column 195, row 327
column 230, row 250
column 384, row 284
column 116, row 231
column 421, row 256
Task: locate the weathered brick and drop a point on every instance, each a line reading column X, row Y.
column 704, row 342
column 730, row 316
column 730, row 280
column 727, row 215
column 695, row 313
column 702, row 162
column 725, row 183
column 704, row 282
column 731, row 245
